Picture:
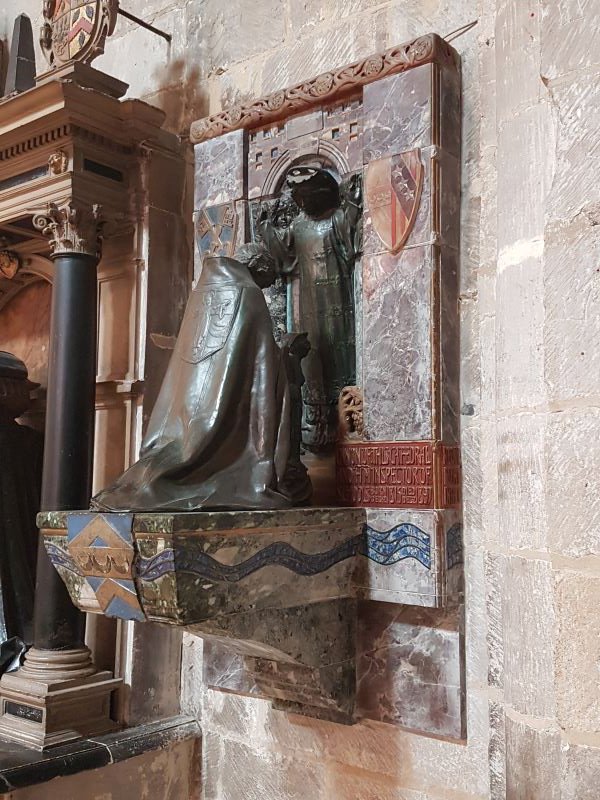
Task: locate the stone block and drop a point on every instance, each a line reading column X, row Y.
column 329, row 48
column 574, row 101
column 576, row 598
column 532, row 762
column 244, row 772
column 476, row 654
column 410, row 668
column 521, row 493
column 525, row 140
column 167, row 183
column 520, row 331
column 220, row 170
column 571, row 487
column 570, row 38
column 580, row 771
column 571, row 332
column 397, row 350
column 232, row 34
column 398, row 113
column 529, row 626
column 497, row 752
column 517, row 55
column 495, row 569
column 156, row 663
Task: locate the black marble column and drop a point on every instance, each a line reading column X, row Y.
column 69, row 439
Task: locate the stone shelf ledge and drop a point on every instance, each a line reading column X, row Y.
column 21, row 767
column 279, row 588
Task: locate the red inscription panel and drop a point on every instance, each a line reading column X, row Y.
column 450, row 478
column 398, row 474
column 386, row 474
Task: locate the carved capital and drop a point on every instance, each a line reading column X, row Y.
column 71, row 229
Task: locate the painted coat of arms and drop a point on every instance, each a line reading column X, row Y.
column 393, row 188
column 75, row 30
column 216, row 230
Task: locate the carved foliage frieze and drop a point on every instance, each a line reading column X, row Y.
column 322, row 89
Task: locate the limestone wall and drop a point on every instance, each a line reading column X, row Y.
column 530, row 388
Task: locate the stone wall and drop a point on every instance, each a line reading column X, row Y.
column 530, row 393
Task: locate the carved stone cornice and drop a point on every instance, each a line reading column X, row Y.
column 324, row 88
column 71, row 229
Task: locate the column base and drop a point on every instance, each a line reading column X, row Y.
column 56, row 697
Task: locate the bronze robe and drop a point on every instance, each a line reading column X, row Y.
column 219, row 435
column 317, row 257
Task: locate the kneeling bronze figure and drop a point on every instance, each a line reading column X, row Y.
column 221, row 433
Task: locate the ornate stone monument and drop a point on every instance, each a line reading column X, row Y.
column 74, row 158
column 287, row 592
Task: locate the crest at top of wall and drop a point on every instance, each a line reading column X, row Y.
column 76, row 30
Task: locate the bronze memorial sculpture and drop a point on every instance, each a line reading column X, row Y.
column 317, row 251
column 221, row 432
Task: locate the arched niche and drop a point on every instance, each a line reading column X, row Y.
column 25, row 302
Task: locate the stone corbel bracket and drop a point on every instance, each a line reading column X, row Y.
column 278, row 588
column 325, row 87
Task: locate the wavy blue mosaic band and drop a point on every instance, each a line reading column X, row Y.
column 382, row 547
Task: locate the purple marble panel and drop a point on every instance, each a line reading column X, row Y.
column 414, row 579
column 410, row 668
column 448, row 187
column 424, row 227
column 397, row 345
column 450, row 110
column 449, row 343
column 220, row 166
column 398, row 113
column 452, row 556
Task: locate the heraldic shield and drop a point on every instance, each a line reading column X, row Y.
column 75, row 30
column 393, row 189
column 216, row 230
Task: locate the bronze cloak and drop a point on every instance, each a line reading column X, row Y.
column 219, row 434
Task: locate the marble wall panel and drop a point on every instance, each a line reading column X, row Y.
column 424, row 226
column 240, row 568
column 220, row 166
column 413, row 572
column 425, row 565
column 409, row 668
column 302, row 658
column 449, row 345
column 397, row 345
column 398, row 113
column 438, row 215
column 450, row 110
